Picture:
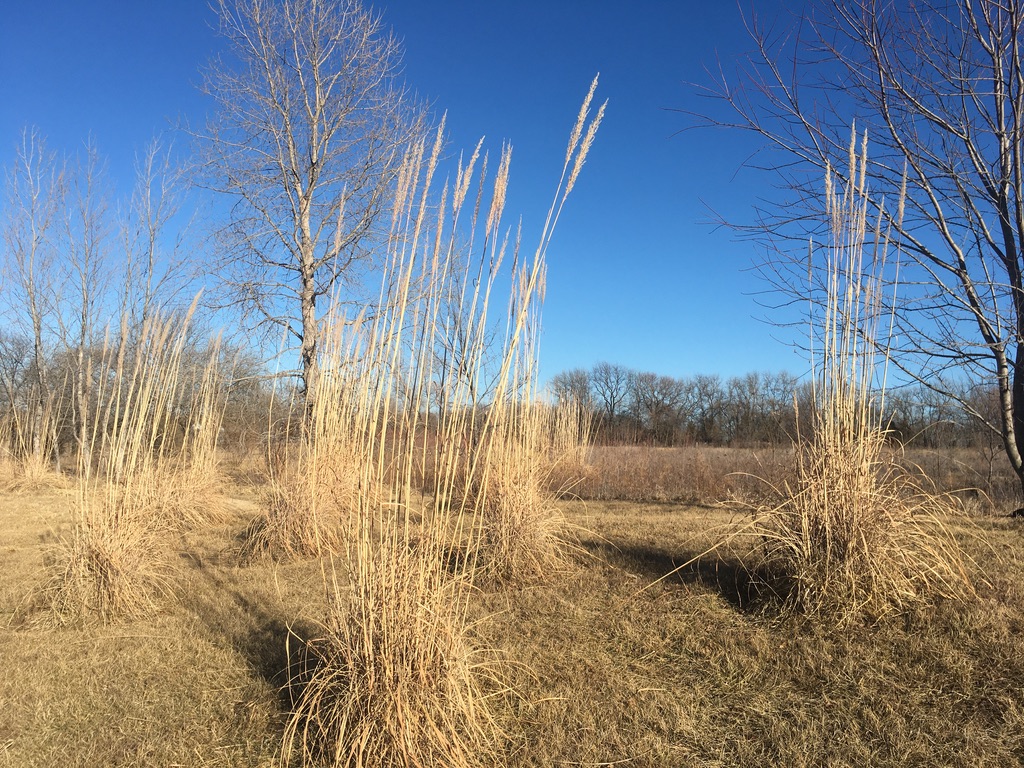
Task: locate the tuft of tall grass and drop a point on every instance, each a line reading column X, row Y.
column 196, row 465
column 568, row 447
column 29, row 448
column 393, row 679
column 855, row 534
column 524, row 535
column 425, row 387
column 135, row 482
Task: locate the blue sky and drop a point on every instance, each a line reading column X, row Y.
column 637, row 273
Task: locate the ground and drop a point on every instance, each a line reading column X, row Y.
column 609, row 662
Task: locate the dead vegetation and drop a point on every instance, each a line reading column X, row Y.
column 855, row 534
column 418, row 606
column 604, row 666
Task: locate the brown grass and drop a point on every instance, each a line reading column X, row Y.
column 685, row 672
column 134, row 485
column 855, row 535
column 690, row 474
column 537, row 454
column 309, row 508
column 393, row 679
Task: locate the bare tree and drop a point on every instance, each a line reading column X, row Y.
column 706, row 405
column 310, row 128
column 34, row 204
column 158, row 272
column 87, row 230
column 611, row 384
column 572, row 386
column 659, row 403
column 938, row 86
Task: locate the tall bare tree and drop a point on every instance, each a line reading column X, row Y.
column 310, row 128
column 86, row 264
column 35, row 196
column 938, row 86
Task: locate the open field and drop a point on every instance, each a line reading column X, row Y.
column 602, row 663
column 708, row 474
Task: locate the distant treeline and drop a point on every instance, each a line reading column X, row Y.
column 641, row 407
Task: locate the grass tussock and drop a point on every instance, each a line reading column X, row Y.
column 858, row 536
column 394, row 679
column 309, row 508
column 524, row 535
column 855, row 535
column 26, row 468
column 567, row 448
column 319, row 479
column 136, row 481
column 114, row 566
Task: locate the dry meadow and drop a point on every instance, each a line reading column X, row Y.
column 631, row 653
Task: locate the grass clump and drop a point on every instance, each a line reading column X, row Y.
column 309, row 507
column 524, row 536
column 319, row 479
column 855, row 534
column 114, row 565
column 858, row 536
column 395, row 679
column 136, row 479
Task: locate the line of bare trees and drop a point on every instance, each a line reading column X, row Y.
column 641, row 407
column 81, row 271
column 309, row 125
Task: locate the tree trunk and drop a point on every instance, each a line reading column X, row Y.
column 310, row 331
column 1017, row 417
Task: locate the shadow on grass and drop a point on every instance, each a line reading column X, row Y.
column 253, row 624
column 746, row 589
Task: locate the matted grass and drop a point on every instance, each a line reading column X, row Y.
column 607, row 667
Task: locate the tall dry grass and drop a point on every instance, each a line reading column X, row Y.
column 318, row 478
column 144, row 470
column 856, row 534
column 29, row 459
column 394, row 679
column 694, row 474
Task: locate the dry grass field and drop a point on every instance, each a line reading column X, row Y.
column 425, row 575
column 609, row 661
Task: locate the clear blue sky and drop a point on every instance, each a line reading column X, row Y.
column 637, row 274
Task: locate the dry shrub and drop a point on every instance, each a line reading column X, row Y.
column 855, row 536
column 393, row 680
